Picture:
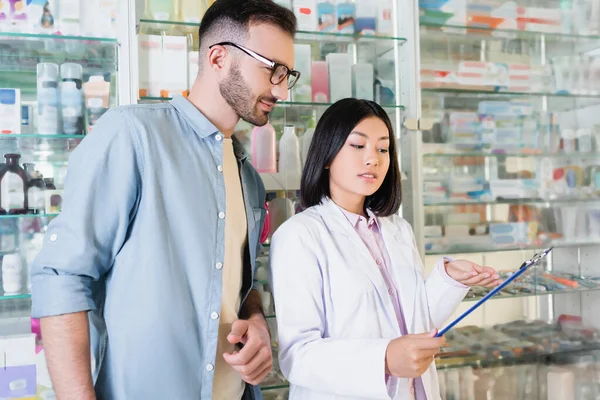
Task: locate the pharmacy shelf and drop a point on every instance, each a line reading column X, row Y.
column 4, row 35
column 27, row 216
column 494, row 90
column 13, row 296
column 285, row 103
column 39, row 136
column 490, row 32
column 467, row 249
column 533, row 202
column 540, row 358
column 460, row 97
column 471, row 296
column 312, row 36
column 451, row 152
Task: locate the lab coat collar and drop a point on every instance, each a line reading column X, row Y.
column 401, row 252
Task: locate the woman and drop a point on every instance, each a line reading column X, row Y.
column 356, row 319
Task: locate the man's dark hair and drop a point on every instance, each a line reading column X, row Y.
column 330, row 135
column 229, row 20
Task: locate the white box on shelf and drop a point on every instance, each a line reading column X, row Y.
column 306, row 14
column 175, row 66
column 302, row 91
column 150, row 65
column 10, row 111
column 193, row 67
column 340, row 76
column 362, row 81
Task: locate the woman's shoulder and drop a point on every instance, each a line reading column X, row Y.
column 307, row 222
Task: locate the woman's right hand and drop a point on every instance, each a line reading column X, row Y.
column 409, row 356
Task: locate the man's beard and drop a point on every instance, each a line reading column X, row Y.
column 239, row 97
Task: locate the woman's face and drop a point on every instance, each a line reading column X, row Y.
column 360, row 167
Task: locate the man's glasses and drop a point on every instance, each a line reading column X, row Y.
column 279, row 72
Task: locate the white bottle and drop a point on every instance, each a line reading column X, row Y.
column 11, row 273
column 280, row 210
column 306, row 139
column 290, row 167
column 32, row 249
column 71, row 98
column 48, row 102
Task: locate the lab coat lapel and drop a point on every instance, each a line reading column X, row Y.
column 338, row 223
column 403, row 268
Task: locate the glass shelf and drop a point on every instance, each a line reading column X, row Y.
column 466, row 98
column 538, row 202
column 310, row 36
column 466, row 249
column 10, row 296
column 476, row 361
column 37, row 36
column 476, row 294
column 284, row 103
column 40, row 136
column 499, row 33
column 448, row 151
column 492, row 91
column 21, row 52
column 23, row 216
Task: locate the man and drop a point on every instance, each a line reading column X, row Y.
column 159, row 231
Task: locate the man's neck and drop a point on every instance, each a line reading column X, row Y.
column 205, row 96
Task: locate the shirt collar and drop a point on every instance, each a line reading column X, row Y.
column 354, row 219
column 202, row 126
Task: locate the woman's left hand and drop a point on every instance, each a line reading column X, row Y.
column 471, row 274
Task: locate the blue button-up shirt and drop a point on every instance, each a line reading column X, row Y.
column 140, row 243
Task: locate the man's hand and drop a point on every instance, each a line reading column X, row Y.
column 254, row 360
column 470, row 274
column 409, row 356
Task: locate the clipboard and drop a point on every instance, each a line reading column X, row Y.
column 524, row 267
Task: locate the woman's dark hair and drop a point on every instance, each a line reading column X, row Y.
column 330, row 135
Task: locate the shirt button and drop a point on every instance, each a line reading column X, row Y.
column 209, row 367
column 221, row 215
column 220, row 168
column 53, row 237
column 391, row 291
column 218, row 138
column 219, row 265
column 214, row 315
column 378, row 261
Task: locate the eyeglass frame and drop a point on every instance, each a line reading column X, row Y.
column 270, row 63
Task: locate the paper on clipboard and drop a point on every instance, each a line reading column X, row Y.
column 524, row 267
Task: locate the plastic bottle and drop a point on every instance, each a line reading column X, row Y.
column 71, row 96
column 264, row 148
column 35, row 189
column 306, row 139
column 47, row 92
column 290, row 167
column 13, row 186
column 280, row 210
column 12, row 268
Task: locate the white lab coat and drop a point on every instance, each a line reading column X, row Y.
column 335, row 317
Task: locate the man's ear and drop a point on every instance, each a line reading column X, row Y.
column 218, row 58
